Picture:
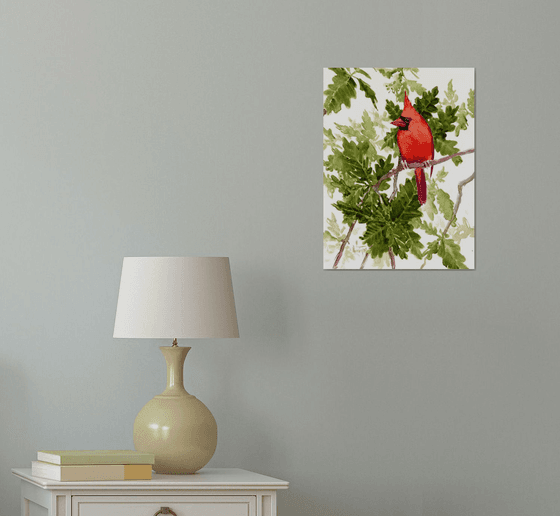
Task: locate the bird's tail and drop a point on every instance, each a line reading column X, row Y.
column 421, row 184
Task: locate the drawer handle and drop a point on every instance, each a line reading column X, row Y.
column 165, row 510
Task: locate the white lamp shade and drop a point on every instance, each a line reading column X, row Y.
column 167, row 298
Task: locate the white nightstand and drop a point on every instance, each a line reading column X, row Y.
column 209, row 492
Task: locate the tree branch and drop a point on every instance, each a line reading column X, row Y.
column 395, row 180
column 458, row 201
column 396, row 170
column 455, row 209
column 425, row 164
column 344, row 242
column 364, row 261
column 392, row 256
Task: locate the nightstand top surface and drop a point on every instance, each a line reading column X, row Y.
column 211, row 478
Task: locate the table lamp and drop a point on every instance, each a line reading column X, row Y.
column 173, row 298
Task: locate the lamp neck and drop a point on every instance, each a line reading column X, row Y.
column 175, row 358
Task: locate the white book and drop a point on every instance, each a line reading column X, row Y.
column 95, row 457
column 82, row 472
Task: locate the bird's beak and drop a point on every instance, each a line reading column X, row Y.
column 399, row 122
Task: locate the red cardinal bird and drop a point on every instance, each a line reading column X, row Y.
column 416, row 143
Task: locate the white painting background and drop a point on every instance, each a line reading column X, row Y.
column 463, row 81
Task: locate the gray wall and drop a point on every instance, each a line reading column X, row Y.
column 169, row 128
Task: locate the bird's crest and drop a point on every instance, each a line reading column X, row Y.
column 406, row 101
column 408, row 108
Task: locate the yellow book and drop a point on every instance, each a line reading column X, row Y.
column 82, row 472
column 62, row 457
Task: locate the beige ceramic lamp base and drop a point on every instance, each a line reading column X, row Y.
column 175, row 426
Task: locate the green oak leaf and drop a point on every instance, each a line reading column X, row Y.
column 400, row 83
column 352, row 212
column 353, row 159
column 414, row 86
column 430, row 229
column 448, row 147
column 451, row 96
column 450, row 254
column 416, row 247
column 330, row 140
column 445, row 204
column 382, row 262
column 369, row 93
column 399, row 224
column 430, row 207
column 405, row 205
column 403, row 239
column 463, row 230
column 470, row 103
column 383, row 166
column 462, row 123
column 330, row 184
column 445, row 122
column 349, row 130
column 441, row 174
column 426, row 105
column 368, row 127
column 390, row 140
column 363, row 72
column 387, row 72
column 431, row 249
column 375, row 238
column 393, row 109
column 340, row 92
column 334, row 229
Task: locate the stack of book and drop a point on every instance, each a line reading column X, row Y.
column 80, row 465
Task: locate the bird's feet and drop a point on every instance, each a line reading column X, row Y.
column 404, row 163
column 425, row 164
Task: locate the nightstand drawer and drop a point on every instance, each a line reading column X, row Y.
column 216, row 505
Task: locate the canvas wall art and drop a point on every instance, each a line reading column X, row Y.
column 398, row 168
